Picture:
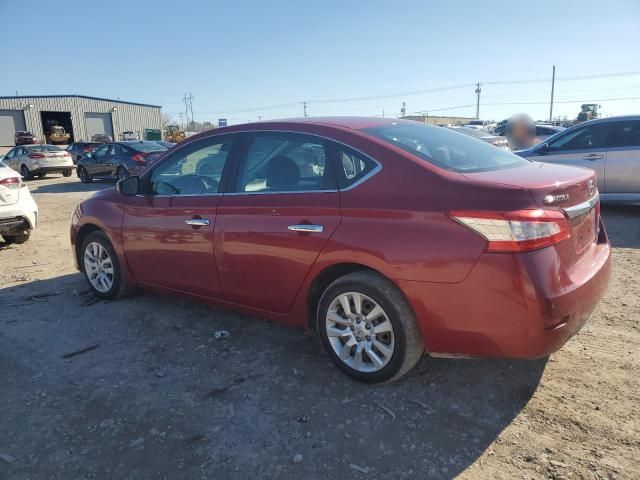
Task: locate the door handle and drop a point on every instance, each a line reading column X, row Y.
column 197, row 222
column 593, row 156
column 306, row 228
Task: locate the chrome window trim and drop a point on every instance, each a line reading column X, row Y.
column 582, row 208
column 373, row 172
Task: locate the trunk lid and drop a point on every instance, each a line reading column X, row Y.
column 558, row 187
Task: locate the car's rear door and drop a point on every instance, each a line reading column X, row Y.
column 282, row 209
column 581, row 147
column 623, row 158
column 168, row 230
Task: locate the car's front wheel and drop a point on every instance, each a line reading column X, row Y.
column 368, row 328
column 84, row 175
column 101, row 267
column 17, row 239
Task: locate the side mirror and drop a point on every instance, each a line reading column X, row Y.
column 128, row 186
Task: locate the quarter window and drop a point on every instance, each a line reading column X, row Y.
column 352, row 167
column 196, row 171
column 285, row 162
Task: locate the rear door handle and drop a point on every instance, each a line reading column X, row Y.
column 306, row 228
column 197, row 222
column 593, row 156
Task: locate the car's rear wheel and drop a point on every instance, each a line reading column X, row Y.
column 17, row 239
column 368, row 328
column 101, row 267
column 84, row 175
column 122, row 173
column 66, row 173
column 26, row 174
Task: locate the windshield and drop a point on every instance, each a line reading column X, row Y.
column 146, row 146
column 474, row 132
column 447, row 149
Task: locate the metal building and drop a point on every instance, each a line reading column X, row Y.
column 81, row 116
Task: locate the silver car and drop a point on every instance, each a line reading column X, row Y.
column 610, row 146
column 38, row 160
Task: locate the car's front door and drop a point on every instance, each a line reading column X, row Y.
column 113, row 159
column 10, row 159
column 168, row 229
column 581, row 147
column 95, row 164
column 271, row 228
column 623, row 158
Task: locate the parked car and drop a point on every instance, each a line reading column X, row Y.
column 128, row 136
column 23, row 137
column 494, row 140
column 118, row 160
column 610, row 146
column 39, row 160
column 476, row 124
column 18, row 211
column 101, row 138
column 543, row 131
column 80, row 149
column 389, row 237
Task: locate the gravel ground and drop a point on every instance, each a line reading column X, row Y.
column 157, row 395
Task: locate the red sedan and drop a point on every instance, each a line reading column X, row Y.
column 390, row 238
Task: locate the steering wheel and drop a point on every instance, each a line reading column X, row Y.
column 193, row 184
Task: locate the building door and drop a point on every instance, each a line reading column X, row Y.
column 98, row 124
column 11, row 121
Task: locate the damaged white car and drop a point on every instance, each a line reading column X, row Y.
column 18, row 210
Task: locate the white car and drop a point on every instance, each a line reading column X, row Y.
column 128, row 136
column 18, row 210
column 38, row 160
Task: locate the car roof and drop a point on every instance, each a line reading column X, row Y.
column 353, row 123
column 611, row 119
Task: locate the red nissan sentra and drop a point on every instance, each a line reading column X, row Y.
column 390, row 238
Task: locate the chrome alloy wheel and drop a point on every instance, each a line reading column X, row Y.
column 360, row 332
column 98, row 267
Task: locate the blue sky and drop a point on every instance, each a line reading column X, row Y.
column 240, row 54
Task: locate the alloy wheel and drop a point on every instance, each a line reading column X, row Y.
column 98, row 267
column 360, row 332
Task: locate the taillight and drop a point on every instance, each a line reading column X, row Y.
column 66, row 154
column 86, row 150
column 516, row 231
column 139, row 158
column 36, row 155
column 12, row 182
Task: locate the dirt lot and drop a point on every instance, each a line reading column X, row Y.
column 161, row 397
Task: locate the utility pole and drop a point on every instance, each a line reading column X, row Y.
column 478, row 90
column 191, row 108
column 181, row 115
column 553, row 84
column 259, row 118
column 403, row 110
column 304, row 107
column 185, row 99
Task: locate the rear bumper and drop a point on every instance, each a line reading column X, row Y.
column 511, row 305
column 19, row 217
column 53, row 169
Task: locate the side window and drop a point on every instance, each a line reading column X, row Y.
column 352, row 166
column 11, row 154
column 285, row 162
column 100, row 153
column 197, row 170
column 589, row 137
column 625, row 134
column 116, row 150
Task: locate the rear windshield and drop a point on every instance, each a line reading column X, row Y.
column 447, row 149
column 45, row 148
column 145, row 146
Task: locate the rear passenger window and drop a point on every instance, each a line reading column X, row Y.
column 625, row 134
column 352, row 167
column 285, row 162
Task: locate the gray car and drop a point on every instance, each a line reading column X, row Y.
column 610, row 146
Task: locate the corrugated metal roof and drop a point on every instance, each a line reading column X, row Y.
column 79, row 96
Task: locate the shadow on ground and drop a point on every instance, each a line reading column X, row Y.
column 158, row 395
column 69, row 187
column 622, row 223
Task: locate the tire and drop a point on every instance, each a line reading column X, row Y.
column 17, row 239
column 66, row 173
column 84, row 175
column 113, row 285
column 121, row 173
column 403, row 340
column 26, row 174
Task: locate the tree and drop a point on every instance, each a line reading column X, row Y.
column 165, row 119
